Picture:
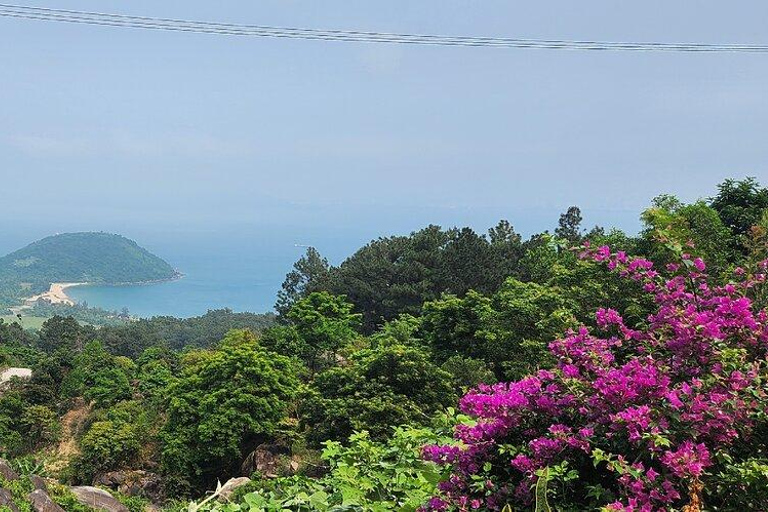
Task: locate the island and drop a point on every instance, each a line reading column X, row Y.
column 41, row 272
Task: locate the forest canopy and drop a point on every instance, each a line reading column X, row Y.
column 443, row 370
column 79, row 257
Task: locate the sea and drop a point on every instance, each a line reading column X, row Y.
column 239, row 270
column 241, row 265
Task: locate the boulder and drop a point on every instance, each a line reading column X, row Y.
column 225, row 494
column 98, row 499
column 6, row 471
column 41, row 502
column 38, row 482
column 6, row 500
column 134, row 483
column 266, row 459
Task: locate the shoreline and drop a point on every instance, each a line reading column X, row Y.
column 57, row 293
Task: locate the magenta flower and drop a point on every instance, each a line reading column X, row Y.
column 620, row 395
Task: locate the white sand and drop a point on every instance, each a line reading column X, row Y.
column 56, row 295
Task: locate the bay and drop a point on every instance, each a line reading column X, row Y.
column 240, row 270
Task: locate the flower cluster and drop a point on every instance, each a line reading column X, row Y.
column 641, row 413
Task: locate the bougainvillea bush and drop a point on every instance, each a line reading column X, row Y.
column 669, row 415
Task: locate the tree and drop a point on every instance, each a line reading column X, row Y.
column 507, row 247
column 378, row 389
column 390, row 276
column 672, row 227
column 156, row 368
column 468, row 262
column 507, row 331
column 569, row 226
column 468, row 373
column 41, row 425
column 97, row 376
column 740, row 204
column 306, row 275
column 225, row 402
column 324, row 323
column 64, row 333
column 12, row 430
column 453, row 326
column 107, row 445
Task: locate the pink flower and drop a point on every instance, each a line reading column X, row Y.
column 696, row 370
column 689, row 460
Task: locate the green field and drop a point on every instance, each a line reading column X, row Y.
column 27, row 322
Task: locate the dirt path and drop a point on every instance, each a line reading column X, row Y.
column 67, row 448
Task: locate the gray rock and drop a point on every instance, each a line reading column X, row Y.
column 6, row 500
column 225, row 494
column 267, row 459
column 41, row 502
column 38, row 482
column 98, row 499
column 134, row 483
column 6, row 471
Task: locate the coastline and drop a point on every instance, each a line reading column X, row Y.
column 57, row 293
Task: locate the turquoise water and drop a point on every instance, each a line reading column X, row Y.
column 240, row 271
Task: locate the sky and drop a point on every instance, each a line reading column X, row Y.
column 129, row 130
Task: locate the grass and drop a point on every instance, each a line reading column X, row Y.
column 27, row 322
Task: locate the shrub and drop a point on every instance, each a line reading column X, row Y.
column 380, row 388
column 225, row 402
column 363, row 474
column 629, row 419
column 107, row 445
column 41, row 425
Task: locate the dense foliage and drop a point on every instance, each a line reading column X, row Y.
column 225, row 401
column 629, row 380
column 81, row 257
column 396, row 275
column 363, row 473
column 130, row 339
column 628, row 419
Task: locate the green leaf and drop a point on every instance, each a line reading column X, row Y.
column 542, row 505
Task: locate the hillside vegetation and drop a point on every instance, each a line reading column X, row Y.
column 79, row 257
column 446, row 370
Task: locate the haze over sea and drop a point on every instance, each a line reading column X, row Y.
column 241, row 265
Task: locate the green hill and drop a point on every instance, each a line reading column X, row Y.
column 79, row 257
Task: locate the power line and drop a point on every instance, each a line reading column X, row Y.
column 232, row 29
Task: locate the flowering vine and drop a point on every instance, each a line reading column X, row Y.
column 631, row 419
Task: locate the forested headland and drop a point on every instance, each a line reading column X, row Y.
column 93, row 258
column 577, row 369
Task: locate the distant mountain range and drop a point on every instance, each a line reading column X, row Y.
column 102, row 258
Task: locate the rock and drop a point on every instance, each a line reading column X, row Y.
column 6, row 500
column 15, row 373
column 38, row 482
column 266, row 459
column 134, row 483
column 6, row 471
column 41, row 502
column 225, row 494
column 98, row 499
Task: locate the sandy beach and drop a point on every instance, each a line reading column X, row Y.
column 55, row 295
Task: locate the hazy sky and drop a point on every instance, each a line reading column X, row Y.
column 107, row 128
